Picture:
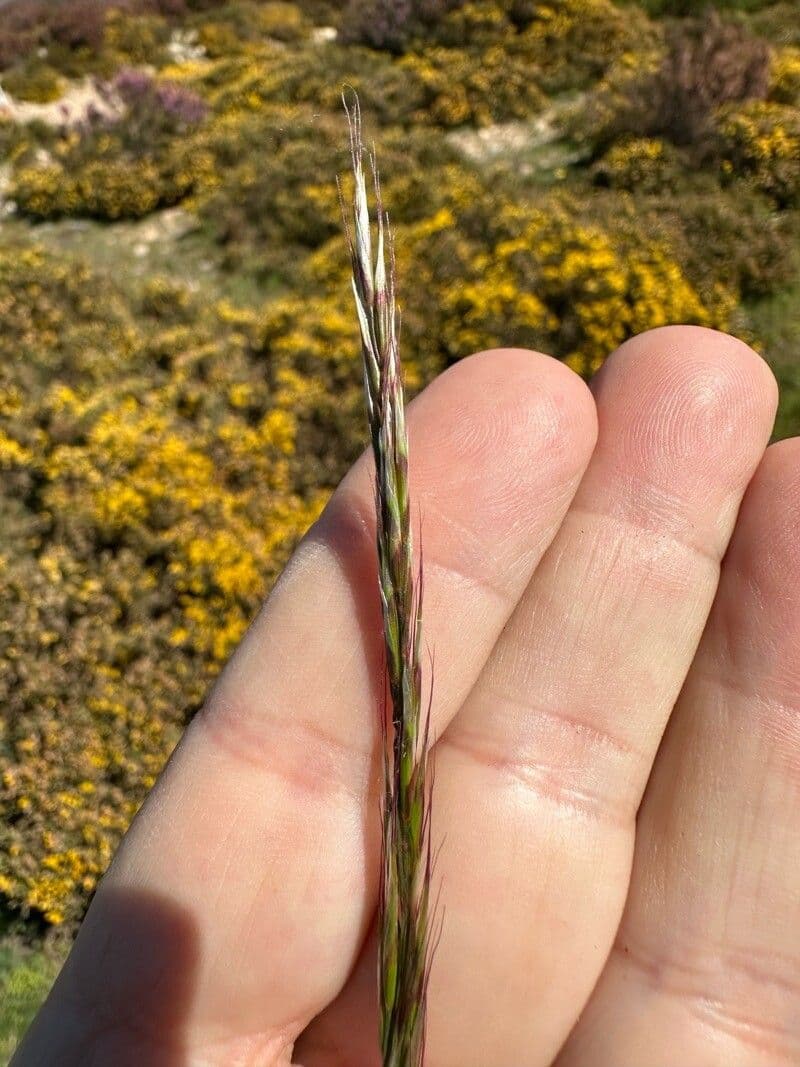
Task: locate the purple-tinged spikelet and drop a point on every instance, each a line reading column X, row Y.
column 406, row 943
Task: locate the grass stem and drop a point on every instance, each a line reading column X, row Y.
column 405, row 912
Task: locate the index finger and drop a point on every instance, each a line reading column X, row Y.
column 261, row 835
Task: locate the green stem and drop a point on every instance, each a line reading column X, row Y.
column 406, row 862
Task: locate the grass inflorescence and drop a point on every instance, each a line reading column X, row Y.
column 405, row 909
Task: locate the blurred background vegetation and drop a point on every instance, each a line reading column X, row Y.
column 179, row 378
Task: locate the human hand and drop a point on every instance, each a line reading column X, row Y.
column 611, row 899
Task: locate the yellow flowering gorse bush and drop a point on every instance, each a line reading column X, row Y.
column 642, row 164
column 162, row 448
column 762, row 140
column 785, row 76
column 155, row 500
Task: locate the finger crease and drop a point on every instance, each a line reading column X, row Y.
column 725, row 987
column 682, row 540
column 364, row 524
column 547, row 781
column 297, row 750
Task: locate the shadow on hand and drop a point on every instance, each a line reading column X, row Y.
column 124, row 995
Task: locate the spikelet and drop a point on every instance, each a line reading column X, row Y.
column 405, row 908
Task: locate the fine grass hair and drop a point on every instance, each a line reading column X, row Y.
column 406, row 913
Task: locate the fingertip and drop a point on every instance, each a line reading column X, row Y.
column 507, row 405
column 728, row 368
column 766, row 547
column 497, row 446
column 755, row 637
column 780, row 470
column 688, row 403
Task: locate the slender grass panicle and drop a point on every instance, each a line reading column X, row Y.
column 406, row 943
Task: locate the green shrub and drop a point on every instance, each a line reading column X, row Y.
column 121, row 189
column 473, row 26
column 787, row 423
column 30, row 24
column 777, row 22
column 139, row 39
column 16, row 139
column 442, row 87
column 762, row 141
column 34, row 81
column 646, row 165
column 573, row 277
column 773, row 324
column 77, row 33
column 570, row 44
column 542, row 45
column 232, row 25
column 44, row 192
column 454, row 88
column 279, row 199
column 785, row 77
column 282, row 21
column 108, row 189
column 577, row 283
column 273, row 76
column 690, row 7
column 707, row 63
column 120, row 166
column 738, row 241
column 391, row 24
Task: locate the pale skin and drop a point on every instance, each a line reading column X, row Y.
column 612, row 597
